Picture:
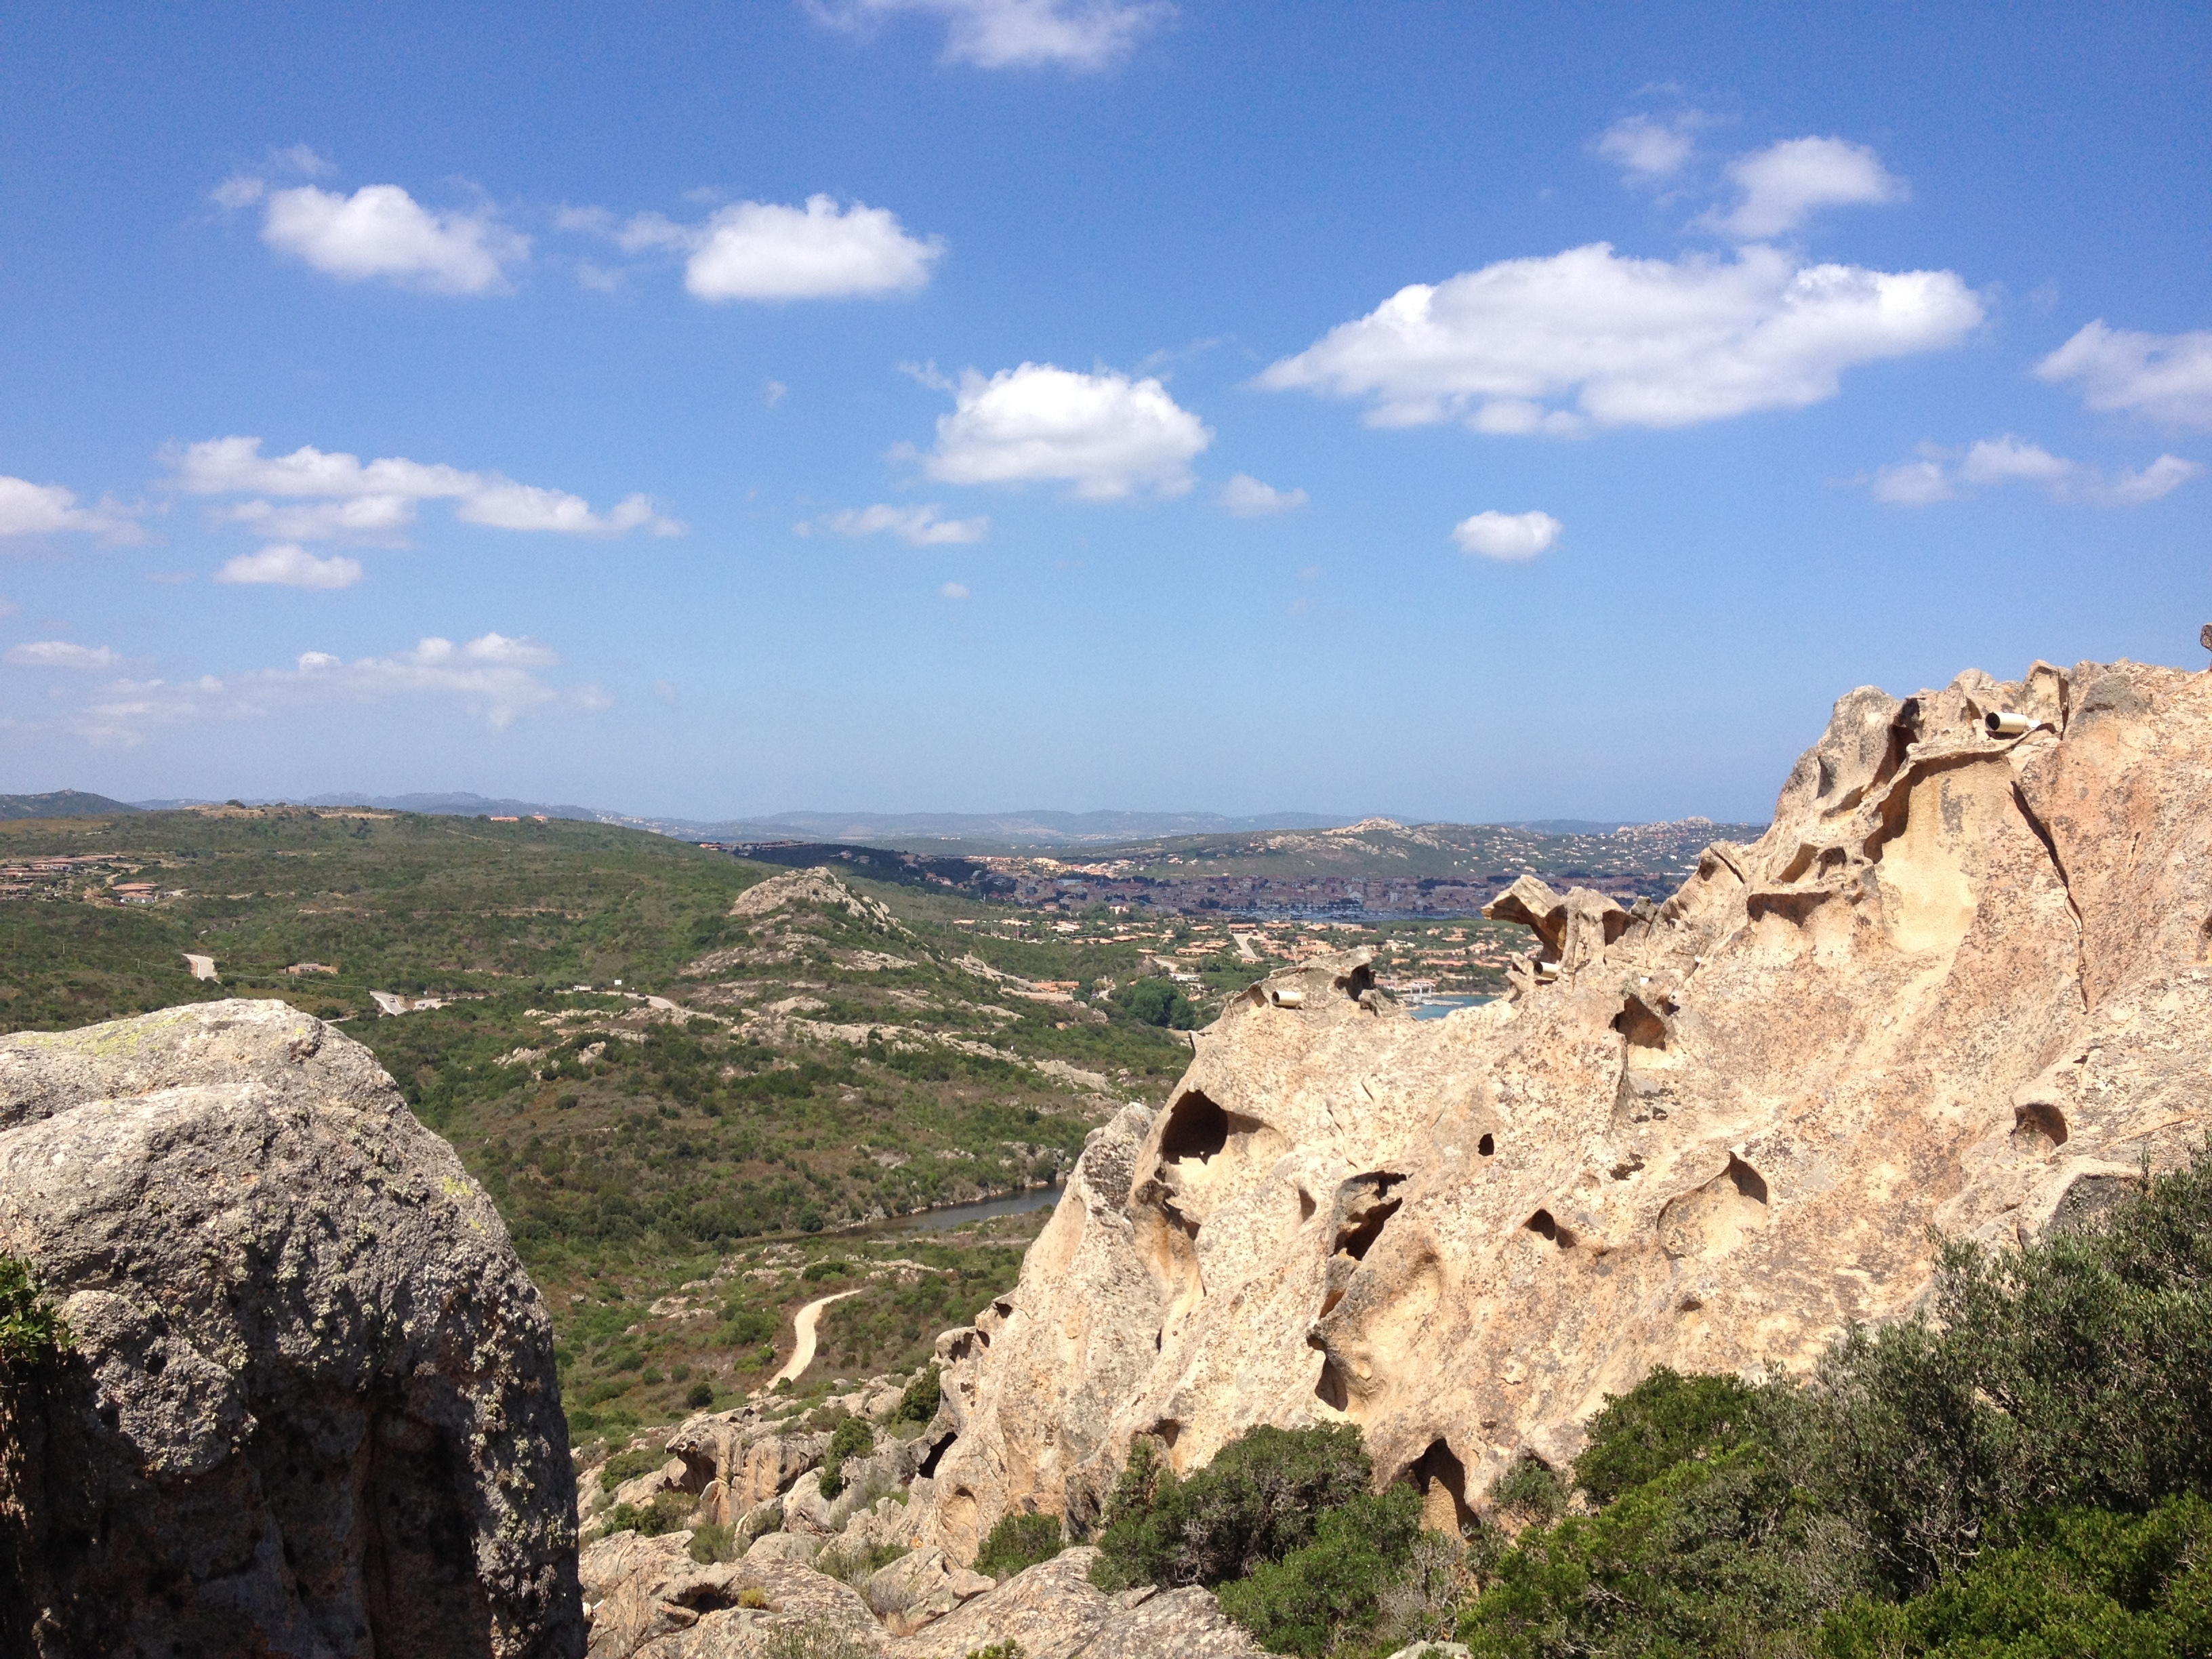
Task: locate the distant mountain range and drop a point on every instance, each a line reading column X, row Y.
column 939, row 833
column 61, row 804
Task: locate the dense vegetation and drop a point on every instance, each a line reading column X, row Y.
column 669, row 1175
column 2024, row 1472
column 32, row 1334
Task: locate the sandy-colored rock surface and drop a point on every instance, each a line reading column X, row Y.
column 1963, row 982
column 313, row 1407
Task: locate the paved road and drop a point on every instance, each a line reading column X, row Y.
column 802, row 1356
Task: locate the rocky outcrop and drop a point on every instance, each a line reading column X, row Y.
column 311, row 1407
column 1963, row 983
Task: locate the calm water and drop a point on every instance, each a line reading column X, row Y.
column 1451, row 1003
column 955, row 1215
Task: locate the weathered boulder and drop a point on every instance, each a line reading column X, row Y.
column 1963, row 982
column 313, row 1407
column 755, row 1461
column 1052, row 1609
column 702, row 1616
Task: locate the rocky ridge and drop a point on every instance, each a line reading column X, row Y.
column 1961, row 984
column 311, row 1406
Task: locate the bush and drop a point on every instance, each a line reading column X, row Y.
column 852, row 1438
column 699, row 1395
column 1257, row 1501
column 1019, row 1542
column 2093, row 1582
column 919, row 1402
column 666, row 1512
column 1308, row 1601
column 711, row 1543
column 1531, row 1489
column 31, row 1334
column 628, row 1466
column 1662, row 1420
column 1158, row 1002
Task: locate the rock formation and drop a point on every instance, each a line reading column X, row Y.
column 1960, row 984
column 311, row 1408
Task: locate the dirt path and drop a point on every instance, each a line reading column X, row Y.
column 802, row 1325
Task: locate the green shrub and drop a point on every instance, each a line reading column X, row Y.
column 856, row 1563
column 699, row 1395
column 852, row 1438
column 628, row 1466
column 2092, row 1583
column 919, row 1402
column 1662, row 1420
column 711, row 1543
column 1158, row 1002
column 1309, row 1600
column 31, row 1334
column 666, row 1512
column 1019, row 1542
column 1257, row 1501
column 1532, row 1489
column 817, row 1271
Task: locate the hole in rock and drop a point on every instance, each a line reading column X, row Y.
column 1746, row 1180
column 2039, row 1120
column 1440, row 1478
column 1306, row 1204
column 1544, row 1226
column 1358, row 1239
column 1330, row 1300
column 936, row 1455
column 1487, row 1145
column 1330, row 1390
column 1167, row 1432
column 1642, row 1027
column 1359, row 980
column 1196, row 1129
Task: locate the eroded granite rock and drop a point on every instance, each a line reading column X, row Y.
column 1963, row 982
column 313, row 1407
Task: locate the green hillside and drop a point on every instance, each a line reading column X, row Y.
column 821, row 1063
column 60, row 804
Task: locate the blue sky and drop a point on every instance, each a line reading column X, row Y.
column 1451, row 410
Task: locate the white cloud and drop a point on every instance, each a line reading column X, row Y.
column 765, row 251
column 1246, row 497
column 2166, row 377
column 1649, row 150
column 952, row 591
column 490, row 678
column 287, row 564
column 61, row 654
column 29, row 509
column 1619, row 341
column 1949, row 475
column 382, row 231
column 1784, row 183
column 1106, row 435
column 918, row 527
column 383, row 519
column 377, row 499
column 1509, row 537
column 1080, row 34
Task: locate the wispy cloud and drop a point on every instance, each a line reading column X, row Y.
column 1246, row 497
column 1784, row 184
column 62, row 653
column 2167, row 378
column 1949, row 475
column 29, row 509
column 494, row 677
column 1076, row 34
column 287, row 564
column 376, row 500
column 380, row 232
column 917, row 527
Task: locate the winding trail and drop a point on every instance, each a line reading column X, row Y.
column 803, row 1327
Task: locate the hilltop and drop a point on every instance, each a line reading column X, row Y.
column 60, row 804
